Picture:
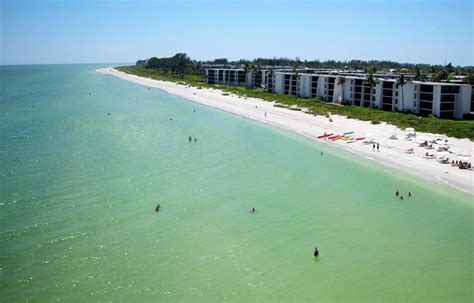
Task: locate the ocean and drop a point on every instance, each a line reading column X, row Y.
column 85, row 158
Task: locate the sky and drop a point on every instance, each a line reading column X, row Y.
column 414, row 31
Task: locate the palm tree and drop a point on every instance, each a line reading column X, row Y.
column 340, row 81
column 401, row 81
column 371, row 81
column 417, row 75
column 246, row 68
column 271, row 74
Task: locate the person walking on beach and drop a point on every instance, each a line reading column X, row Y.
column 316, row 252
column 373, row 147
column 378, row 146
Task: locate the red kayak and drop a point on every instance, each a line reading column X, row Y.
column 332, row 137
column 324, row 136
column 360, row 138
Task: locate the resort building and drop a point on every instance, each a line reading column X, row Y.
column 226, row 76
column 442, row 99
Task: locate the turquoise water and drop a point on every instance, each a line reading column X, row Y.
column 79, row 188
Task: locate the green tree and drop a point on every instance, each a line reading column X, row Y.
column 246, row 68
column 401, row 81
column 340, row 81
column 180, row 64
column 371, row 81
column 417, row 75
column 153, row 63
column 469, row 79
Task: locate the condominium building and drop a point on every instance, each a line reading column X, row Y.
column 441, row 99
column 226, row 76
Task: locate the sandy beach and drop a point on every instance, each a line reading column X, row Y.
column 392, row 152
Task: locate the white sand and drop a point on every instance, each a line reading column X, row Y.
column 311, row 126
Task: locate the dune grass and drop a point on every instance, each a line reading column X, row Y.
column 315, row 106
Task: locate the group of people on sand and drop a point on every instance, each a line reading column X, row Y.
column 398, row 194
column 461, row 165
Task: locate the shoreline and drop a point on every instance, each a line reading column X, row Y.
column 392, row 152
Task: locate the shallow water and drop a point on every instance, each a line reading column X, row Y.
column 79, row 188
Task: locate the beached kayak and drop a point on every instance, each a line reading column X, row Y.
column 324, row 136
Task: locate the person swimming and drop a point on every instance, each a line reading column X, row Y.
column 157, row 209
column 316, row 252
column 401, row 197
column 253, row 210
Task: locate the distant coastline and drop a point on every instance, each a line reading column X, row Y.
column 392, row 151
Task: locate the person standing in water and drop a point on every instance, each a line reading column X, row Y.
column 397, row 193
column 316, row 252
column 253, row 210
column 190, row 139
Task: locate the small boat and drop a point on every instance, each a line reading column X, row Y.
column 360, row 138
column 324, row 136
column 348, row 133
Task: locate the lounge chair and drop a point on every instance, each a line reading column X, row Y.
column 429, row 156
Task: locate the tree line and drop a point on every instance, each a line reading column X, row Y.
column 180, row 64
